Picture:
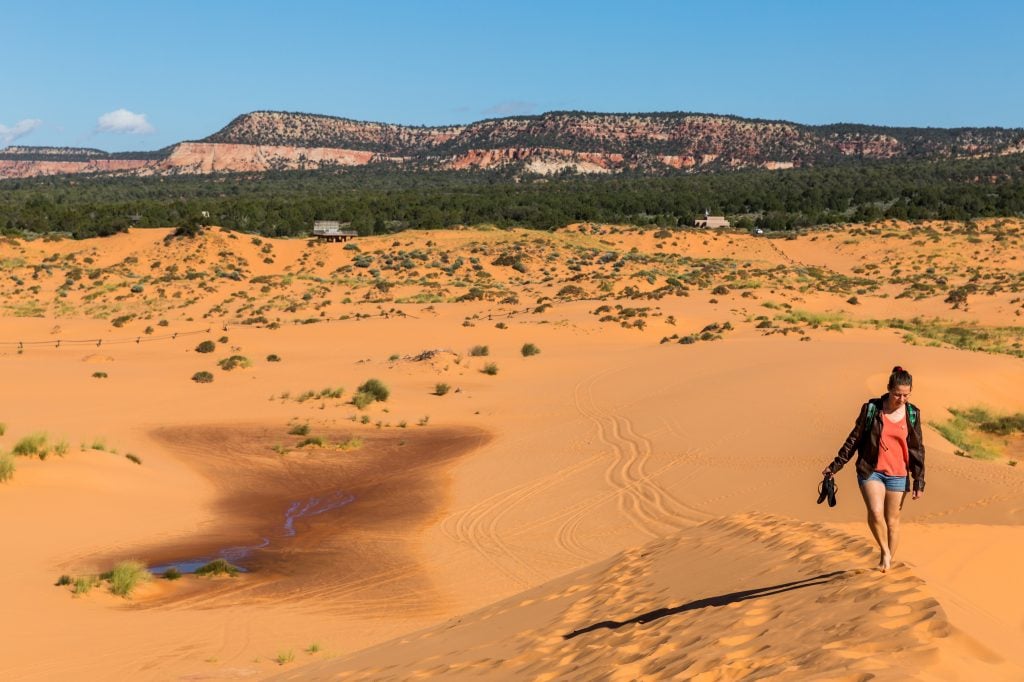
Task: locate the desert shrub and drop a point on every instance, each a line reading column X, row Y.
column 63, row 580
column 6, row 467
column 133, row 458
column 490, row 369
column 299, row 430
column 3, row 428
column 330, row 393
column 31, row 446
column 570, row 291
column 172, row 573
column 228, row 364
column 441, row 388
column 375, row 388
column 987, row 421
column 960, row 432
column 222, row 339
column 311, row 440
column 351, row 443
column 206, row 347
column 273, row 358
column 82, row 585
column 479, row 351
column 529, row 349
column 99, row 375
column 202, row 377
column 853, row 300
column 218, row 567
column 362, row 400
column 126, row 576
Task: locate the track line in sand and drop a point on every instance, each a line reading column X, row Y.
column 649, row 506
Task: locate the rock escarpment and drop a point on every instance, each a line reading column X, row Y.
column 554, row 142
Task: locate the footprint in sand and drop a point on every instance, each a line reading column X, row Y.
column 735, row 640
column 752, row 620
column 895, row 610
column 900, row 622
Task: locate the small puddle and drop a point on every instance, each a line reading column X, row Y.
column 236, row 556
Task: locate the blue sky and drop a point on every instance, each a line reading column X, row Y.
column 142, row 75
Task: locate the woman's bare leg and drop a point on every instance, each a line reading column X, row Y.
column 893, row 505
column 874, row 499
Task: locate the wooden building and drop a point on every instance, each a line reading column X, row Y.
column 333, row 231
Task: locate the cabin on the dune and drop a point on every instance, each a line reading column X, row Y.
column 333, row 231
column 711, row 221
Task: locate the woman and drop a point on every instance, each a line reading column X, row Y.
column 890, row 451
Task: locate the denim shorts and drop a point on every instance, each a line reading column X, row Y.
column 893, row 484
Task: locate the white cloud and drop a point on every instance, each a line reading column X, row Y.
column 511, row 108
column 22, row 127
column 124, row 121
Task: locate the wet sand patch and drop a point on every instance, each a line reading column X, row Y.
column 324, row 528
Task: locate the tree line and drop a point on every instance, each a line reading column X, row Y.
column 382, row 199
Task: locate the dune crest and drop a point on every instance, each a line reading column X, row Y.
column 746, row 596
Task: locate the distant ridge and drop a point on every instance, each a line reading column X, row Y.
column 554, row 142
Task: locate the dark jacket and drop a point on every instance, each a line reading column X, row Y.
column 864, row 439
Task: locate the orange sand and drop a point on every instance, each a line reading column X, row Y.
column 608, row 477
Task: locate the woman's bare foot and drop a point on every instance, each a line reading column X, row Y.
column 885, row 563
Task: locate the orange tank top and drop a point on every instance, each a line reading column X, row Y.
column 893, row 453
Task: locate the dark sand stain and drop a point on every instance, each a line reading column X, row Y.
column 327, row 529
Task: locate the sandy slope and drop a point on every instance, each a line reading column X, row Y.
column 742, row 597
column 606, row 477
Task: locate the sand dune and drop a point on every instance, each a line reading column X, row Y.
column 616, row 473
column 741, row 597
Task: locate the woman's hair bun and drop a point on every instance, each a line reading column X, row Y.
column 897, row 368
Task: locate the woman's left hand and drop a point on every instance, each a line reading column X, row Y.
column 917, row 494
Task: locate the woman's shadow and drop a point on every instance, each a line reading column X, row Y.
column 720, row 600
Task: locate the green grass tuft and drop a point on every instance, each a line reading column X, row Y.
column 126, row 576
column 962, row 433
column 6, row 467
column 172, row 573
column 441, row 388
column 218, row 567
column 285, row 657
column 351, row 443
column 490, row 369
column 529, row 349
column 82, row 585
column 479, row 351
column 33, row 445
column 299, row 430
